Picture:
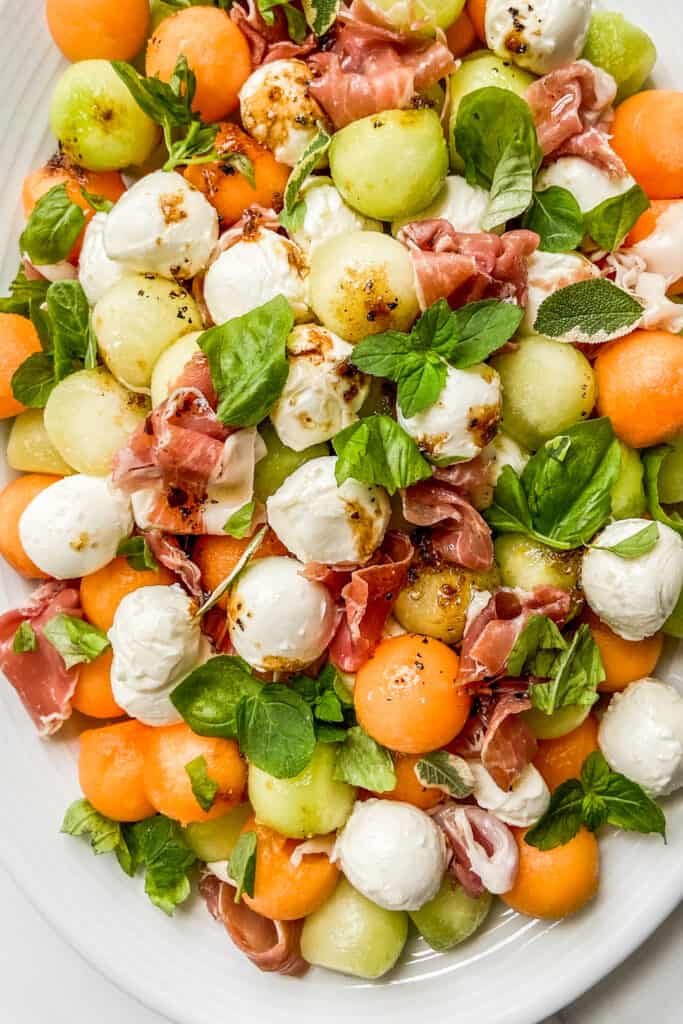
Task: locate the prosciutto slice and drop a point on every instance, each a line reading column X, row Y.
column 485, row 854
column 169, row 553
column 572, row 108
column 464, row 266
column 40, row 677
column 460, row 535
column 268, row 42
column 371, row 68
column 497, row 735
column 270, row 945
column 489, row 639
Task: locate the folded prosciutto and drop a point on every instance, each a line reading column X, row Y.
column 460, row 534
column 497, row 735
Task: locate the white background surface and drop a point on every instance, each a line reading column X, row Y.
column 42, row 979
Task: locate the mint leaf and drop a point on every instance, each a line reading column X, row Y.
column 106, row 836
column 488, row 121
column 159, row 100
column 275, row 730
column 204, row 788
column 33, row 381
column 330, row 702
column 77, row 641
column 561, row 821
column 242, row 865
column 536, row 648
column 630, row 808
column 610, row 222
column 482, row 328
column 98, row 203
column 594, row 310
column 24, row 641
column 53, row 227
column 239, row 523
column 556, row 218
column 207, row 699
column 377, row 450
column 321, row 14
column 159, row 844
column 575, row 676
column 138, row 553
column 652, row 464
column 635, row 546
column 248, row 362
column 447, row 772
column 595, row 773
column 363, row 762
column 305, row 165
column 593, row 811
column 69, row 315
column 512, row 186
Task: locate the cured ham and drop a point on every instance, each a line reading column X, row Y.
column 460, row 535
column 497, row 735
column 485, row 854
column 572, row 108
column 169, row 553
column 464, row 267
column 490, row 638
column 40, row 677
column 270, row 945
column 268, row 42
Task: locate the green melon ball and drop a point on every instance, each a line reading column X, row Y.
column 622, row 49
column 435, row 13
column 671, row 474
column 279, row 462
column 216, row 839
column 451, row 917
column 628, row 493
column 561, row 722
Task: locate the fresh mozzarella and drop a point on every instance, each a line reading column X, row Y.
column 156, row 642
column 253, row 271
column 659, row 311
column 393, row 853
column 96, row 272
column 502, row 452
column 74, row 527
column 641, row 735
column 323, row 392
column 539, row 35
column 319, row 521
column 549, row 271
column 663, row 249
column 327, row 215
column 162, row 225
column 278, row 111
column 463, row 419
column 522, row 805
column 589, row 184
column 633, row 596
column 461, row 204
column 279, row 621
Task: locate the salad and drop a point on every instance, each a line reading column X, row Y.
column 345, row 378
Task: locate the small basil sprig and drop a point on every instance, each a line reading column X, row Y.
column 238, row 525
column 296, row 23
column 99, row 203
column 512, row 187
column 610, row 222
column 652, row 464
column 574, row 676
column 556, row 218
column 600, row 797
column 292, row 216
column 138, row 554
column 158, row 844
column 106, row 836
column 24, row 640
column 204, row 788
column 361, row 761
column 242, row 864
column 376, row 450
column 77, row 641
column 589, row 311
column 635, row 546
column 53, row 227
column 330, row 702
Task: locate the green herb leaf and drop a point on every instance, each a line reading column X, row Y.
column 305, row 165
column 610, row 222
column 595, row 773
column 24, row 641
column 512, row 186
column 69, row 314
column 159, row 844
column 197, row 146
column 248, row 361
column 242, row 865
column 275, row 730
column 536, row 648
column 556, row 218
column 106, row 836
column 53, row 227
column 296, row 23
column 635, row 546
column 76, row 640
column 321, row 14
column 329, row 733
column 33, row 381
column 447, row 772
column 363, row 762
column 241, row 162
column 630, row 808
column 22, row 293
column 594, row 310
column 155, row 98
column 98, row 203
column 562, row 820
column 377, row 450
column 204, row 788
column 207, row 699
column 329, row 701
column 482, row 328
column 488, row 121
column 138, row 553
column 239, row 523
column 575, row 676
column 294, row 219
column 652, row 464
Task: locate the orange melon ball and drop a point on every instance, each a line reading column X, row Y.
column 562, row 758
column 111, row 770
column 18, row 340
column 409, row 789
column 555, row 883
column 93, row 695
column 648, row 136
column 14, row 499
column 85, row 29
column 624, row 661
column 103, row 591
column 218, row 556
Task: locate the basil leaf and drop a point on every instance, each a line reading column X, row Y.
column 447, row 772
column 40, row 318
column 241, row 162
column 512, row 186
column 77, row 641
column 420, row 374
column 576, row 674
column 24, row 641
column 138, row 553
column 329, row 733
column 99, row 203
column 34, row 380
column 377, row 450
column 652, row 464
column 155, row 98
column 248, row 362
column 106, row 836
column 536, row 648
column 561, row 821
column 305, row 165
column 510, row 510
column 321, row 14
column 242, row 865
column 296, row 23
column 53, row 227
column 329, row 701
column 275, row 730
column 22, row 293
column 630, row 808
column 197, row 146
column 69, row 315
column 239, row 523
column 207, row 699
column 638, row 544
column 361, row 761
column 159, row 844
column 610, row 222
column 488, row 121
column 556, row 218
column 204, row 788
column 594, row 310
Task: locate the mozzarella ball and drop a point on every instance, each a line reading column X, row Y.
column 663, row 249
column 327, row 215
column 641, row 735
column 522, row 805
column 461, row 204
column 503, row 451
column 463, row 419
column 539, row 35
column 548, row 272
column 253, row 271
column 633, row 596
column 278, row 111
column 323, row 392
column 589, row 184
column 75, row 525
column 156, row 642
column 96, row 272
column 162, row 225
column 393, row 853
column 279, row 621
column 320, row 522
